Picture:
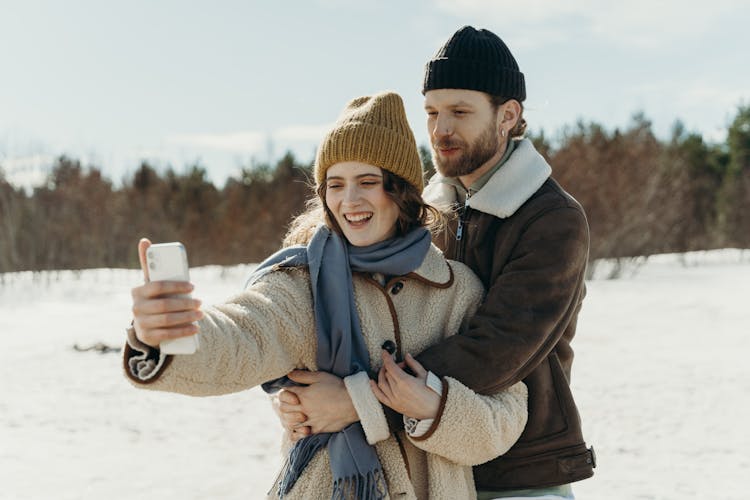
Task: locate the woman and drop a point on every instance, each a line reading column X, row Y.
column 367, row 278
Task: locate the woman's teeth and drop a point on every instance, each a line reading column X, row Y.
column 358, row 217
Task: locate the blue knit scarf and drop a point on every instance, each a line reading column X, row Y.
column 356, row 470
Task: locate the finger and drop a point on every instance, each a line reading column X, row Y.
column 304, row 431
column 290, row 408
column 155, row 336
column 416, row 368
column 143, row 245
column 296, row 413
column 293, row 419
column 293, row 436
column 169, row 288
column 167, row 305
column 304, row 376
column 384, row 385
column 289, row 398
column 387, row 358
column 162, row 334
column 167, row 320
column 393, row 383
column 300, row 433
column 379, row 394
column 392, row 369
column 158, row 289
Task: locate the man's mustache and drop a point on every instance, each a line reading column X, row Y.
column 448, row 144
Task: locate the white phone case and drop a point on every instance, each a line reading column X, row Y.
column 168, row 262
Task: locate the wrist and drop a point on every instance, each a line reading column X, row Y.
column 136, row 342
column 420, row 430
column 431, row 404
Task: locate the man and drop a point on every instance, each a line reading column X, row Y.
column 527, row 240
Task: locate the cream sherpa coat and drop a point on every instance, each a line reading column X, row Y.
column 268, row 330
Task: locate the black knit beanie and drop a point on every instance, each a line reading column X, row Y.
column 475, row 60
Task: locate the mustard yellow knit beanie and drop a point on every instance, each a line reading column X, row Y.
column 374, row 130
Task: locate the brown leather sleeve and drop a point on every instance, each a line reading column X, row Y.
column 533, row 296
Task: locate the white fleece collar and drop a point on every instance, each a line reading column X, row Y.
column 519, row 178
column 434, row 268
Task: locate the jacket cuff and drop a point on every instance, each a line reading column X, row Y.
column 475, row 429
column 370, row 412
column 143, row 364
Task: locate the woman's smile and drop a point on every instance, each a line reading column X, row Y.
column 356, row 197
column 359, row 218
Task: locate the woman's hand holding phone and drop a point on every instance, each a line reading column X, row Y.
column 163, row 310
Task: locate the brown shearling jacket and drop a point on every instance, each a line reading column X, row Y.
column 528, row 241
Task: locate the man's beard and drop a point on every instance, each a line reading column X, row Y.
column 471, row 157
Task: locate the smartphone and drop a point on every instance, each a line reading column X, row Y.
column 168, row 262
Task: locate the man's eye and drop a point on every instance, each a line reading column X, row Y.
column 432, row 113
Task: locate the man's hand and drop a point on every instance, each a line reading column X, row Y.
column 323, row 405
column 406, row 394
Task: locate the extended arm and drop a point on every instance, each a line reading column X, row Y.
column 258, row 335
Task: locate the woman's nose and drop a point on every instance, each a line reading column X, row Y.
column 351, row 194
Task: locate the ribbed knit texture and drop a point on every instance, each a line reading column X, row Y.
column 374, row 130
column 475, row 60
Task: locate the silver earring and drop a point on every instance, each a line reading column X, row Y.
column 502, row 132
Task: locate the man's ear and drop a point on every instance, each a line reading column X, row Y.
column 508, row 115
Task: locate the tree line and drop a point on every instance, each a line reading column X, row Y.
column 642, row 195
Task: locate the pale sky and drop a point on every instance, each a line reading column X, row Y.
column 222, row 82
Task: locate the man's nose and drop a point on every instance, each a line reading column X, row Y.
column 443, row 127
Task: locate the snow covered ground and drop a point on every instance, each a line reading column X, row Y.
column 661, row 379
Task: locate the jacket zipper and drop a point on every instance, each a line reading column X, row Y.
column 463, row 217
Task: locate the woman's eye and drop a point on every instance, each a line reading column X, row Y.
column 334, row 186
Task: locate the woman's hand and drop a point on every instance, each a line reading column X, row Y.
column 158, row 314
column 404, row 393
column 322, row 405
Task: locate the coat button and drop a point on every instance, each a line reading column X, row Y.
column 397, row 287
column 389, row 346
